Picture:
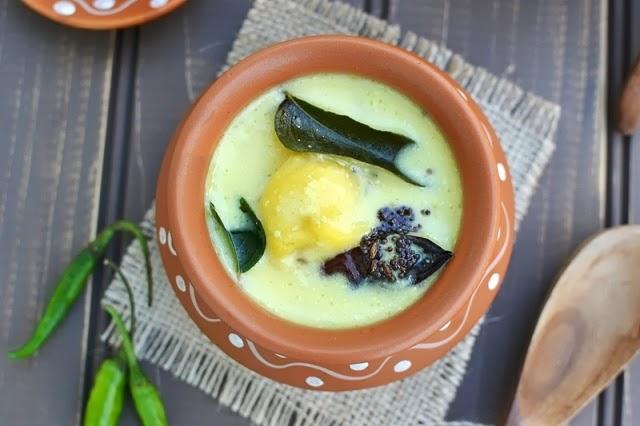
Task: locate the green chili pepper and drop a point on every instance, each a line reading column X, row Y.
column 147, row 399
column 107, row 394
column 72, row 283
column 145, row 396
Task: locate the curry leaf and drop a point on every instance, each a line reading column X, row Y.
column 247, row 244
column 224, row 232
column 433, row 257
column 413, row 259
column 303, row 127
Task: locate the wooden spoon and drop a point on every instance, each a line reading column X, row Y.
column 629, row 108
column 588, row 330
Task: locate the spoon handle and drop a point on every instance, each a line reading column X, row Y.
column 515, row 419
column 629, row 108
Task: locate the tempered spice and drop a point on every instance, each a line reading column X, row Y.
column 403, row 258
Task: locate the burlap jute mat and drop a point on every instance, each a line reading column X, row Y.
column 166, row 337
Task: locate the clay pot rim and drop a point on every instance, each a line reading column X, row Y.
column 456, row 114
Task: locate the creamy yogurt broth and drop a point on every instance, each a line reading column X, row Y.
column 314, row 206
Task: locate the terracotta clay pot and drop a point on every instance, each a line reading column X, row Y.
column 103, row 14
column 336, row 359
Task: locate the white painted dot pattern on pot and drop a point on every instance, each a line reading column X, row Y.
column 64, row 8
column 502, row 172
column 156, row 4
column 487, row 133
column 172, row 249
column 463, row 95
column 445, row 326
column 180, row 283
column 359, row 366
column 236, row 340
column 494, row 281
column 402, row 366
column 104, row 4
column 314, row 382
column 162, row 235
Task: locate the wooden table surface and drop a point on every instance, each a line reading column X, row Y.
column 85, row 117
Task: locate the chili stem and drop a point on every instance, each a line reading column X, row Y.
column 124, row 225
column 116, row 269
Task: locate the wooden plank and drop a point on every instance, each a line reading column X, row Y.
column 554, row 49
column 54, row 85
column 612, row 401
column 631, row 412
column 631, row 415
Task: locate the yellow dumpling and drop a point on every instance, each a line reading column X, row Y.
column 309, row 203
